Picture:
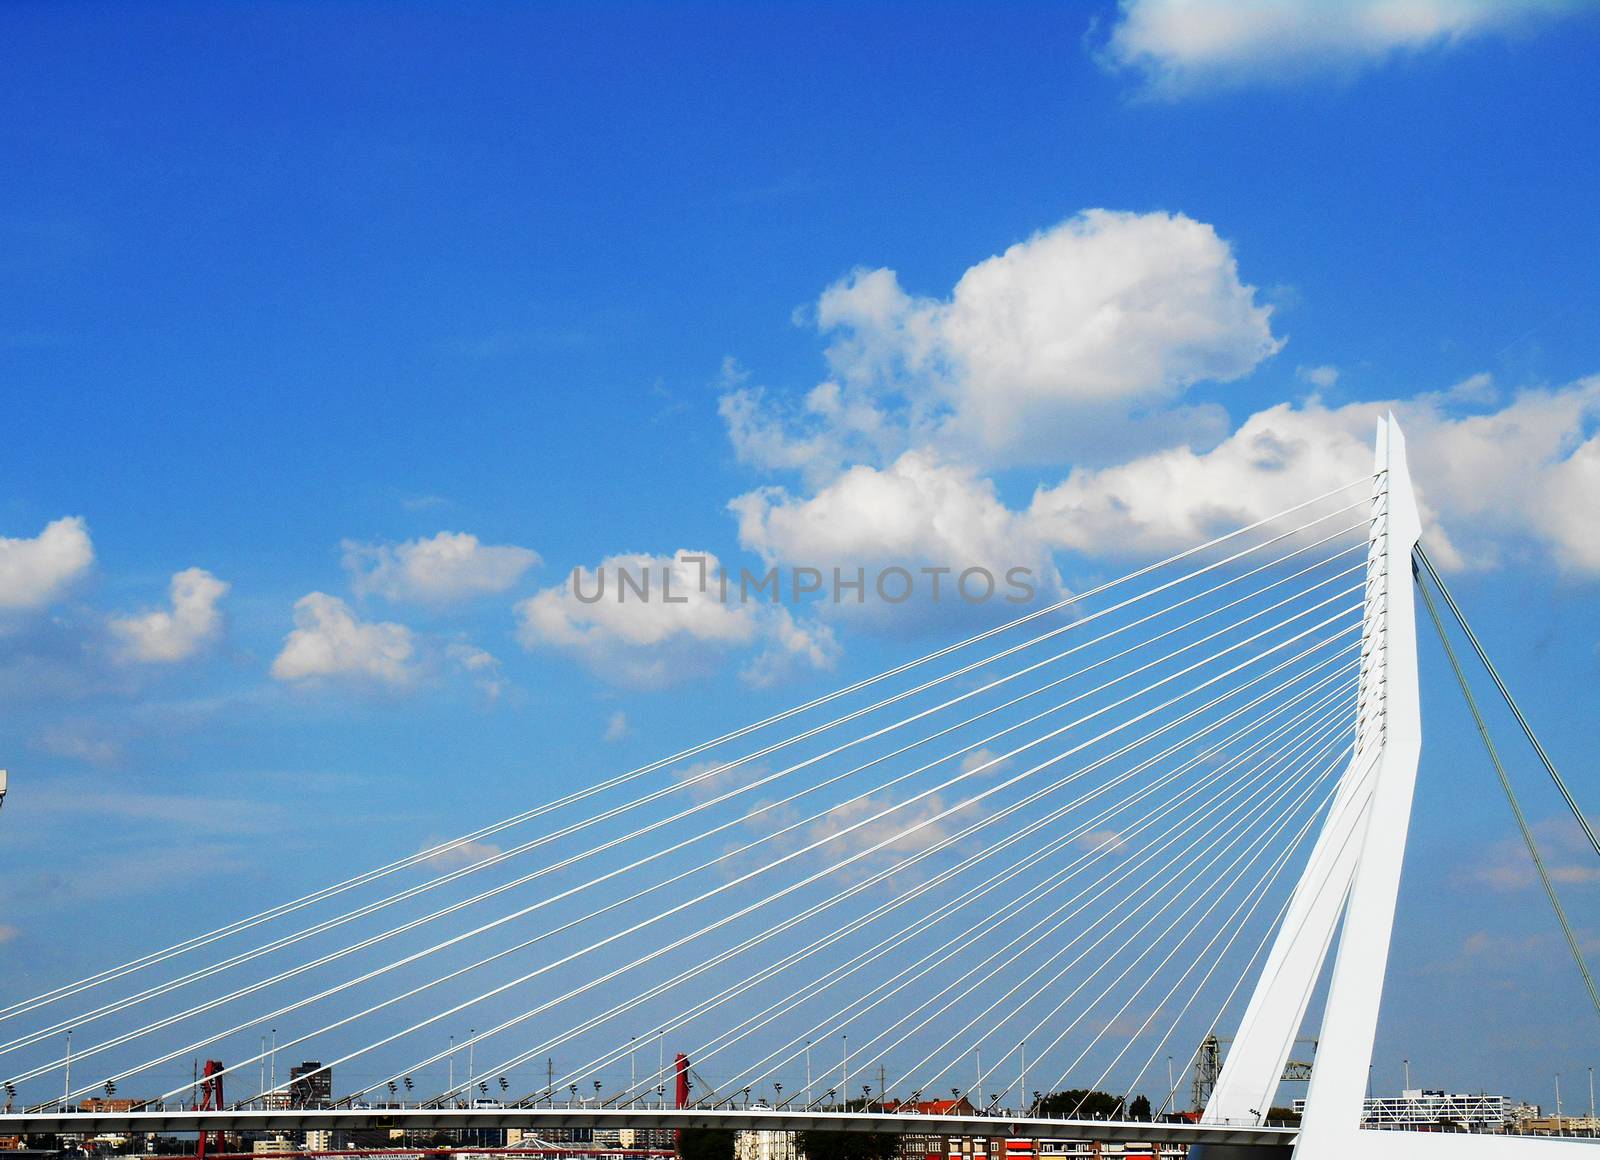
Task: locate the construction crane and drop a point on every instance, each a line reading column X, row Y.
column 1208, row 1066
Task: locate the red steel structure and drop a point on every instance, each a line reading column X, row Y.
column 211, row 1100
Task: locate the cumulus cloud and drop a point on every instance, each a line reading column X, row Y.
column 792, row 648
column 1081, row 344
column 329, row 641
column 616, row 727
column 1522, row 471
column 1181, row 45
column 33, row 572
column 917, row 512
column 1077, row 340
column 1178, row 497
column 650, row 621
column 161, row 637
column 447, row 567
column 1527, row 472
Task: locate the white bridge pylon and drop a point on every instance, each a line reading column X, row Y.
column 1351, row 882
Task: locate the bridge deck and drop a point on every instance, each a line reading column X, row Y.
column 184, row 1120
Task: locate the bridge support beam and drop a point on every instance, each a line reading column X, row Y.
column 1352, row 882
column 1335, row 1098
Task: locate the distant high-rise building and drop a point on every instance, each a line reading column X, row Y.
column 310, row 1086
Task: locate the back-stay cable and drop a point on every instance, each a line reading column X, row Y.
column 110, row 973
column 1511, row 702
column 1511, row 797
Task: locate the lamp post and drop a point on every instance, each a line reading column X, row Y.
column 844, row 1066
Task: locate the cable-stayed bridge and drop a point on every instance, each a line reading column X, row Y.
column 1055, row 856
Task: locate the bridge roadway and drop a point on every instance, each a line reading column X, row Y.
column 421, row 1119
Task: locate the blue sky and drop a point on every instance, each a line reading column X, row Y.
column 388, row 318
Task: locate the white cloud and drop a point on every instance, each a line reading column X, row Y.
column 1181, row 45
column 1319, row 376
column 917, row 512
column 1077, row 341
column 1505, row 865
column 34, row 572
column 792, row 648
column 1175, row 498
column 986, row 761
column 616, row 726
column 462, row 854
column 1527, row 473
column 713, row 778
column 328, row 641
column 164, row 637
column 1107, row 841
column 1105, row 308
column 447, row 567
column 482, row 667
column 79, row 741
column 658, row 620
column 904, row 829
column 90, row 798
